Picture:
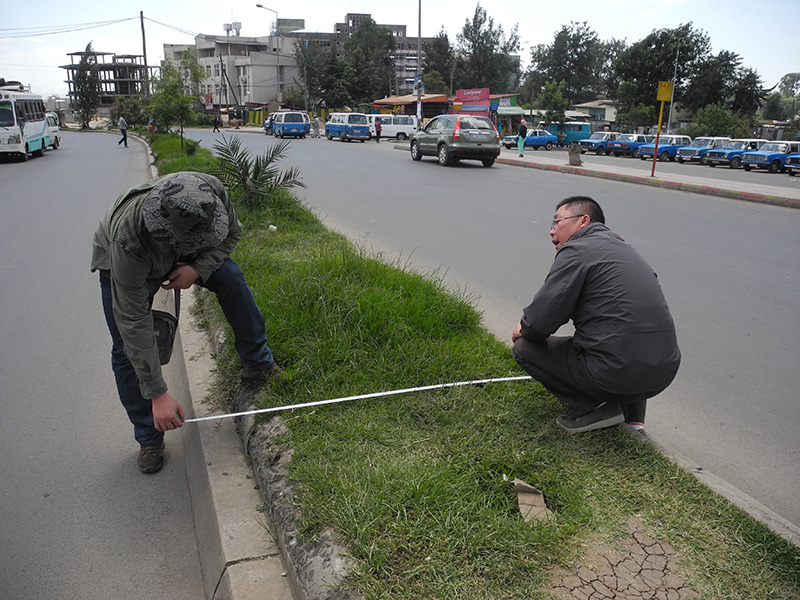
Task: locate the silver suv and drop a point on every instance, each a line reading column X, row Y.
column 457, row 137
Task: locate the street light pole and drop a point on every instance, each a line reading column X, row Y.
column 278, row 35
column 674, row 82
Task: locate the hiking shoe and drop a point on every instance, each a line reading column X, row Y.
column 605, row 415
column 273, row 371
column 151, row 458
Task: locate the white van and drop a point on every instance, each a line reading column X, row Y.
column 53, row 130
column 294, row 123
column 400, row 127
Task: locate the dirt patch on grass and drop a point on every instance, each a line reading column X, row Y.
column 642, row 568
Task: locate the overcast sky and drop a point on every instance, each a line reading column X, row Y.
column 762, row 32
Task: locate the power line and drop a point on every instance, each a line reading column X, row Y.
column 19, row 32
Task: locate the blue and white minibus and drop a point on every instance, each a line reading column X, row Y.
column 23, row 125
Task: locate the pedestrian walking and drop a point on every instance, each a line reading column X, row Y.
column 123, row 129
column 522, row 133
column 315, row 125
column 170, row 233
column 216, row 124
column 378, row 128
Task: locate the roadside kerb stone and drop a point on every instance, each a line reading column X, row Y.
column 315, row 568
column 710, row 190
column 239, row 556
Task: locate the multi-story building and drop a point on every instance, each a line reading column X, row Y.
column 121, row 75
column 258, row 70
column 240, row 70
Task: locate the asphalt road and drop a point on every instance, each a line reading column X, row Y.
column 78, row 519
column 730, row 271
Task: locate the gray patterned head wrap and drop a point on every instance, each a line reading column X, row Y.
column 183, row 212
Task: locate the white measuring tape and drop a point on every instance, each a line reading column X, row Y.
column 359, row 397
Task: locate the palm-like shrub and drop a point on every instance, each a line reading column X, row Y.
column 252, row 180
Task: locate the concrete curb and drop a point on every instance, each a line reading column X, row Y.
column 239, row 555
column 709, row 190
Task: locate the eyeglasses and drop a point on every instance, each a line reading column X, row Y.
column 557, row 221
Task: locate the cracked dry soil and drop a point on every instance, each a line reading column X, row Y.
column 644, row 569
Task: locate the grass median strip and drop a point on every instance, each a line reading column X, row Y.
column 419, row 486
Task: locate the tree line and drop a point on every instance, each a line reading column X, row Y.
column 725, row 96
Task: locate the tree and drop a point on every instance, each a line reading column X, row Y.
column 554, row 104
column 721, row 79
column 192, row 72
column 169, row 104
column 580, row 59
column 485, row 57
column 369, row 53
column 87, row 87
column 653, row 59
column 790, row 85
column 311, row 61
column 439, row 57
column 718, row 120
column 775, row 109
column 747, row 93
column 435, row 83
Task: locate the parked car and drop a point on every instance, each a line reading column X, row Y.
column 536, row 138
column 667, row 147
column 53, row 130
column 598, row 142
column 629, row 143
column 457, row 137
column 771, row 156
column 347, row 126
column 290, row 123
column 697, row 150
column 400, row 127
column 731, row 153
column 793, row 164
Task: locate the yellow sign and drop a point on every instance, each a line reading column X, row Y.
column 664, row 91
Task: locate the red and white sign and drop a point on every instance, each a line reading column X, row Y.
column 474, row 102
column 458, row 103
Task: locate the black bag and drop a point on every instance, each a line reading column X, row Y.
column 165, row 326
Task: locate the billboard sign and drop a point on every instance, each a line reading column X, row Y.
column 475, row 102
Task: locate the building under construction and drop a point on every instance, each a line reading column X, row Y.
column 121, row 75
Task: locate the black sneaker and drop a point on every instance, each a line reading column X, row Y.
column 151, row 458
column 605, row 415
column 273, row 371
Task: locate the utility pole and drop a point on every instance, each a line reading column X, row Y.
column 418, row 78
column 674, row 82
column 146, row 82
column 278, row 36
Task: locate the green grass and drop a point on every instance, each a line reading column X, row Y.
column 418, row 486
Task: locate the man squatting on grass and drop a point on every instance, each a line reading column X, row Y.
column 171, row 232
column 624, row 349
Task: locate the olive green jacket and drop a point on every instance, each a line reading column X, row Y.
column 137, row 265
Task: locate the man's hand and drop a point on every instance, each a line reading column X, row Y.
column 167, row 413
column 181, row 278
column 517, row 333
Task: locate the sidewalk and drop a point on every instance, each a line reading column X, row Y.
column 703, row 181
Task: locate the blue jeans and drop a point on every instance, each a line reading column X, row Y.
column 250, row 341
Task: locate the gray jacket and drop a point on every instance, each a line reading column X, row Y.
column 624, row 332
column 137, row 265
